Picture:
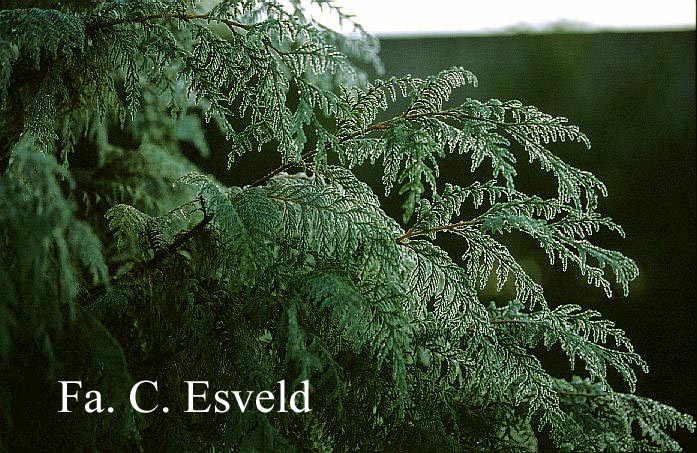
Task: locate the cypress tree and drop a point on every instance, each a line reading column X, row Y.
column 123, row 262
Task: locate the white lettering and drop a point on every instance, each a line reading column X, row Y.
column 64, row 385
column 134, row 393
column 305, row 392
column 192, row 395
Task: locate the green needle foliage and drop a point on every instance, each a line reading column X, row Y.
column 121, row 261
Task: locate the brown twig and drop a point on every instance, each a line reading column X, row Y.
column 585, row 394
column 451, row 226
column 178, row 242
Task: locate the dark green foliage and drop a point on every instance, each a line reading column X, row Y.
column 122, row 262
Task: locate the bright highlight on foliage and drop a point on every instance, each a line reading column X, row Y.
column 122, row 261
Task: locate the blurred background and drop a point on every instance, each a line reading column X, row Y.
column 624, row 71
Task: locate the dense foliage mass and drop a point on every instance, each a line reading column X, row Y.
column 121, row 261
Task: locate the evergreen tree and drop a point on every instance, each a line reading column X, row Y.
column 122, row 262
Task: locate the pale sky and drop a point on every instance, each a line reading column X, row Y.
column 409, row 17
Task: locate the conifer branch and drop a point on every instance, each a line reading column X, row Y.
column 97, row 290
column 383, row 125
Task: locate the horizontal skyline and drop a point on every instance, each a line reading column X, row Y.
column 395, row 17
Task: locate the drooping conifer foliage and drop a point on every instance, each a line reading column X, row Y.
column 121, row 261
